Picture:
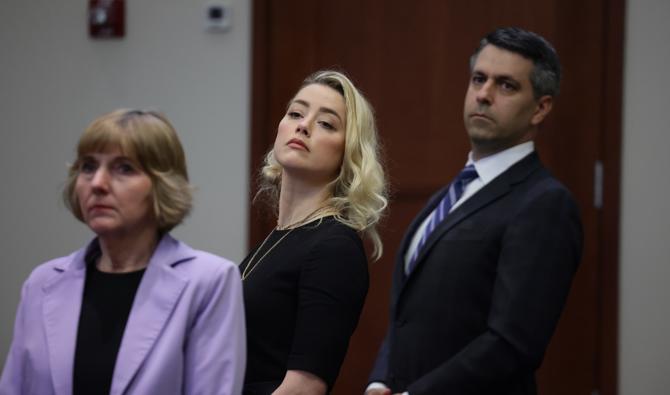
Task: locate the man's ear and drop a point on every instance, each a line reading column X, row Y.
column 542, row 109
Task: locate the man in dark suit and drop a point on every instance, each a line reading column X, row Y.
column 484, row 270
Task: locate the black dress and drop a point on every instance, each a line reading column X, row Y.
column 303, row 295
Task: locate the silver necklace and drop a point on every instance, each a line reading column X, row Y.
column 252, row 265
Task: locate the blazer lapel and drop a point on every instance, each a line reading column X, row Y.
column 493, row 191
column 61, row 309
column 399, row 276
column 425, row 211
column 486, row 195
column 156, row 297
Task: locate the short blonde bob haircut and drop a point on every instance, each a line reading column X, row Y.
column 148, row 138
column 360, row 192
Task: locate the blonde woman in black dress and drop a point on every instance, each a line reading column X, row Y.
column 305, row 284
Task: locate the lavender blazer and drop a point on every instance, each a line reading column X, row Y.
column 185, row 333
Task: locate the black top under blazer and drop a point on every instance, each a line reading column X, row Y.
column 477, row 313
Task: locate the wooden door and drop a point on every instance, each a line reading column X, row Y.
column 411, row 61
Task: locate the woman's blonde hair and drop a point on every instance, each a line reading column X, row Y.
column 150, row 139
column 360, row 190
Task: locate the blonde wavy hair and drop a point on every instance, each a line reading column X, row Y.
column 150, row 139
column 360, row 191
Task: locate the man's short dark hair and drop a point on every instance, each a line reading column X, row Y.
column 546, row 75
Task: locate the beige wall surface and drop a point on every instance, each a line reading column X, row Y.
column 644, row 342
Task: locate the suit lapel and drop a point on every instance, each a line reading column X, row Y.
column 156, row 298
column 493, row 191
column 427, row 209
column 482, row 198
column 399, row 275
column 61, row 308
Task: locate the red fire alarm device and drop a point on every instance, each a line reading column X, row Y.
column 106, row 18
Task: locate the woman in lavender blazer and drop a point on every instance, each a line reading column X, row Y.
column 135, row 311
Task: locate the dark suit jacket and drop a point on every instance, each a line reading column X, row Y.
column 476, row 314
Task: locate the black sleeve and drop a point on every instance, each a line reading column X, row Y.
column 540, row 251
column 332, row 290
column 380, row 368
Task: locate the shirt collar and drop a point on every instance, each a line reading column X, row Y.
column 490, row 167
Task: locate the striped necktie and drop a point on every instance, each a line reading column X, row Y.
column 442, row 209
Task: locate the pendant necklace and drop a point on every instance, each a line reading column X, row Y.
column 251, row 265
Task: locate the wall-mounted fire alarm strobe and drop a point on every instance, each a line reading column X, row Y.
column 218, row 16
column 106, row 18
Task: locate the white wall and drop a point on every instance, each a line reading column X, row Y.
column 54, row 80
column 645, row 213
